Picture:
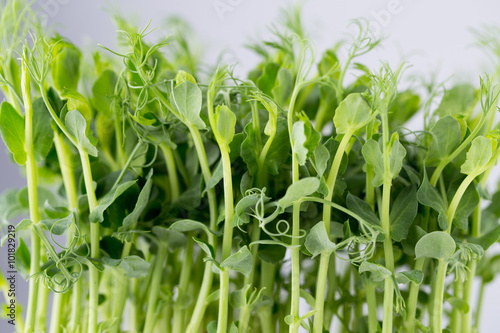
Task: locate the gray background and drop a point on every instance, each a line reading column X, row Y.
column 434, row 36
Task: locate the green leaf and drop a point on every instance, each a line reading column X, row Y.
column 130, row 221
column 446, row 137
column 131, row 266
column 59, row 226
column 217, row 176
column 466, row 206
column 352, row 113
column 77, row 101
column 317, row 240
column 403, row 212
column 321, row 158
column 374, row 157
column 266, row 81
column 305, row 139
column 186, row 99
column 23, row 225
column 298, row 190
column 240, row 261
column 172, row 238
column 362, row 208
column 43, row 135
column 65, row 65
column 486, row 240
column 436, row 245
column 23, row 259
column 225, row 122
column 238, row 298
column 190, row 225
column 280, row 148
column 13, row 132
column 283, row 86
column 207, row 248
column 97, row 214
column 427, row 195
column 182, row 77
column 414, row 276
column 103, row 92
column 378, row 272
column 460, row 99
column 77, row 127
column 403, row 107
column 478, row 156
column 241, row 209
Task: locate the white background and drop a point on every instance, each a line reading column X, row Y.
column 433, row 36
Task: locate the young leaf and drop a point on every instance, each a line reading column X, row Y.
column 225, row 122
column 190, row 225
column 65, row 65
column 351, row 113
column 446, row 137
column 478, row 156
column 186, row 99
column 103, row 92
column 130, row 221
column 240, row 261
column 298, row 190
column 362, row 208
column 317, row 241
column 77, row 126
column 435, row 245
column 378, row 272
column 427, row 195
column 305, row 139
column 374, row 157
column 23, row 225
column 207, row 248
column 59, row 226
column 131, row 266
column 97, row 214
column 43, row 136
column 403, row 212
column 12, row 130
column 321, row 157
column 414, row 276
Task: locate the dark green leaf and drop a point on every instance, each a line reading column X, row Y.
column 97, row 214
column 12, row 130
column 403, row 212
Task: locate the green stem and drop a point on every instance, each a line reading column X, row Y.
column 267, row 276
column 179, row 313
column 32, row 199
column 412, row 299
column 437, row 300
column 456, row 314
column 319, row 321
column 121, row 291
column 371, row 300
column 94, row 243
column 207, row 281
column 226, row 240
column 154, row 290
column 478, row 307
column 172, row 171
column 389, row 257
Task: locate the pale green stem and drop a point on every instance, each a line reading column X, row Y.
column 226, row 240
column 319, row 321
column 154, row 290
column 437, row 300
column 179, row 313
column 371, row 300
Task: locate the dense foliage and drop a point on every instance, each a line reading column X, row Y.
column 165, row 197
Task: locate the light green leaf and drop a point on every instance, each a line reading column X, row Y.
column 59, row 226
column 23, row 259
column 132, row 266
column 43, row 135
column 190, row 225
column 23, row 225
column 460, row 99
column 103, row 92
column 182, row 77
column 378, row 272
column 13, row 132
column 397, row 155
column 298, row 190
column 225, row 122
column 321, row 158
column 466, row 206
column 207, row 248
column 427, row 195
column 65, row 65
column 403, row 212
column 77, row 127
column 240, row 261
column 446, row 137
column 352, row 113
column 478, row 156
column 414, row 276
column 97, row 214
column 305, row 139
column 374, row 157
column 186, row 99
column 459, row 303
column 317, row 241
column 435, row 245
column 362, row 208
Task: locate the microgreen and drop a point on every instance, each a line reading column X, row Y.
column 212, row 203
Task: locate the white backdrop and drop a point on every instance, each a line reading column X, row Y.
column 434, row 36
